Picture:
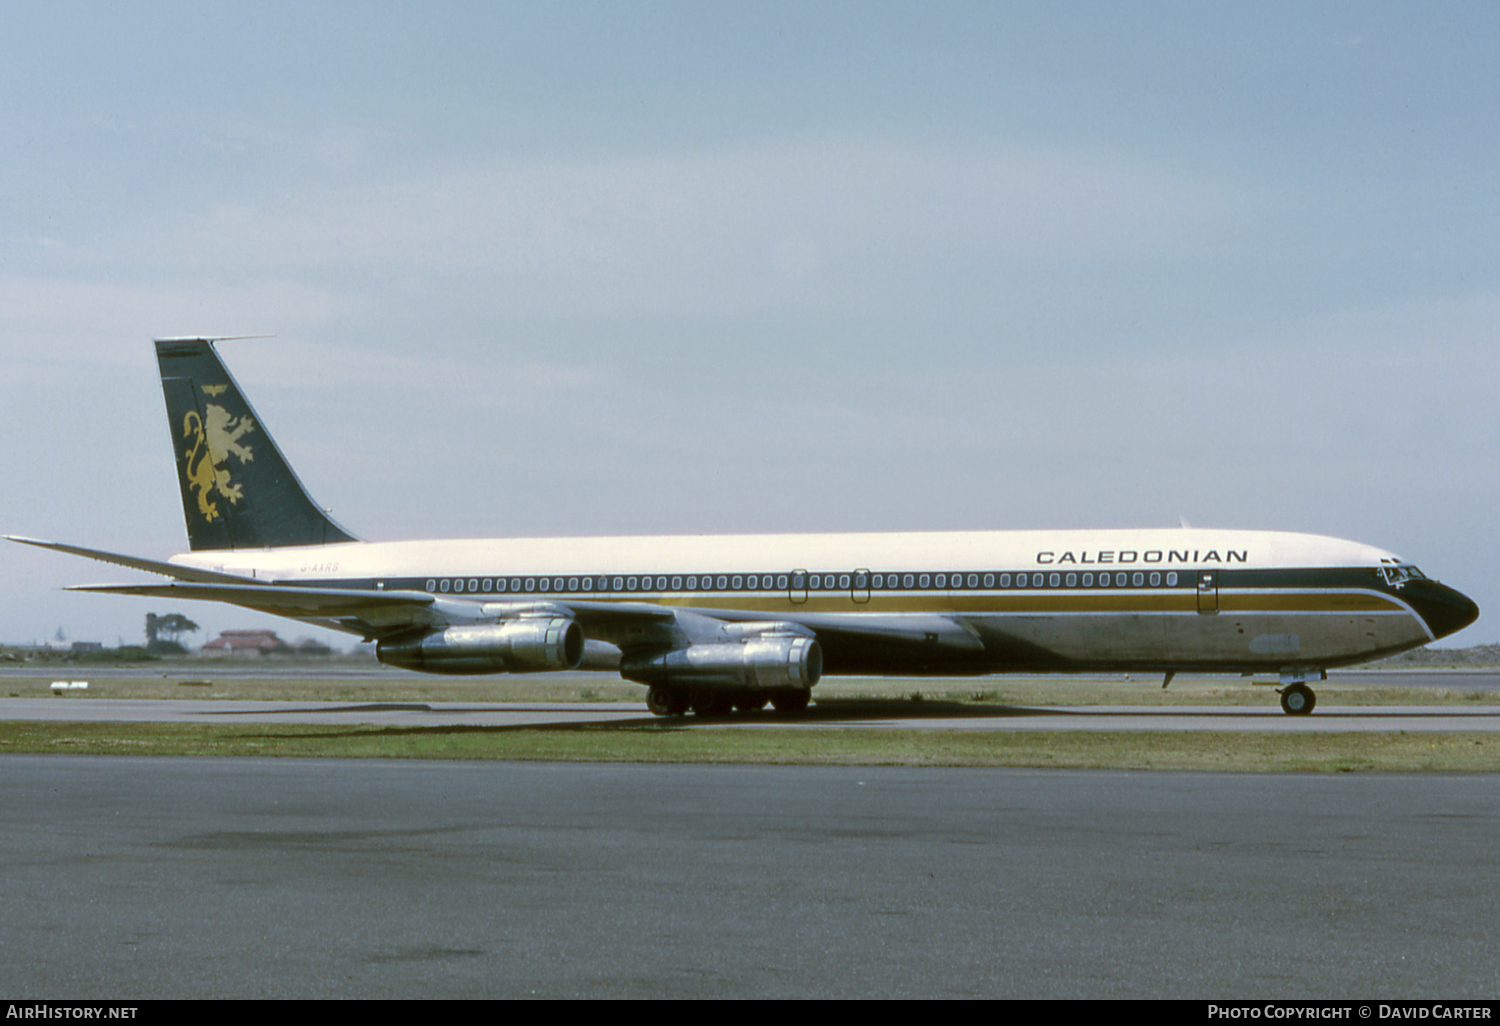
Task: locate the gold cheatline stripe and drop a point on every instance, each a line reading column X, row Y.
column 1017, row 604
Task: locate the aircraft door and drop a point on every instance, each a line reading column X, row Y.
column 1208, row 591
column 861, row 592
column 797, row 592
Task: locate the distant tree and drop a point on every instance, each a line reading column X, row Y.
column 175, row 625
column 164, row 633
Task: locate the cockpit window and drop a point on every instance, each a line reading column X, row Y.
column 1397, row 574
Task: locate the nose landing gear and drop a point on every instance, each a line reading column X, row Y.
column 1297, row 700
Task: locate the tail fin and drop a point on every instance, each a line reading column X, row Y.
column 238, row 491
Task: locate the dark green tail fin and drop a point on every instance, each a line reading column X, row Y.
column 238, row 491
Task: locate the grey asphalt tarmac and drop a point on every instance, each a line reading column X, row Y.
column 242, row 878
column 137, row 878
column 134, row 878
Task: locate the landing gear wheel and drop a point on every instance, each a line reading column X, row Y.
column 790, row 701
column 713, row 703
column 664, row 701
column 1298, row 700
column 750, row 702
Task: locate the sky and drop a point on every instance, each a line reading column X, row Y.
column 659, row 268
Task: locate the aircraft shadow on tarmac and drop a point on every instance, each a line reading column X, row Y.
column 905, row 709
column 822, row 711
column 836, row 710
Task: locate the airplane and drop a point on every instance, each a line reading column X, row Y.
column 720, row 623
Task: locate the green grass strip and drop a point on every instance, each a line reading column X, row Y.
column 661, row 742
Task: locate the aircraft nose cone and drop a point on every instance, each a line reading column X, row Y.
column 1445, row 610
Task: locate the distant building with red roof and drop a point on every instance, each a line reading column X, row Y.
column 246, row 643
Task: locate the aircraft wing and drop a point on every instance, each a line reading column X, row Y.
column 374, row 614
column 629, row 625
column 360, row 612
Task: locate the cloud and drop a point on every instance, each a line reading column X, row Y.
column 775, row 225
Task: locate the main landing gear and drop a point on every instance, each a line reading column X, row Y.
column 667, row 701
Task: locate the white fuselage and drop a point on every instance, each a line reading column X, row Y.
column 1186, row 598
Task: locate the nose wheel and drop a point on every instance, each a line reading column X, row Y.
column 1297, row 699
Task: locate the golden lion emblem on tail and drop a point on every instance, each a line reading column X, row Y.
column 208, row 457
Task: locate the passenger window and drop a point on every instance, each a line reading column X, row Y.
column 989, row 580
column 1072, row 580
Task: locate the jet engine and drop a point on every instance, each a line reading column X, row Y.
column 764, row 662
column 526, row 645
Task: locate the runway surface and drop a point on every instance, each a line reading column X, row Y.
column 127, row 878
column 1477, row 718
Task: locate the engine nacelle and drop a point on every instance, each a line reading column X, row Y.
column 527, row 645
column 774, row 662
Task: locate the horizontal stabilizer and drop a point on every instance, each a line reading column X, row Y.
column 154, row 566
